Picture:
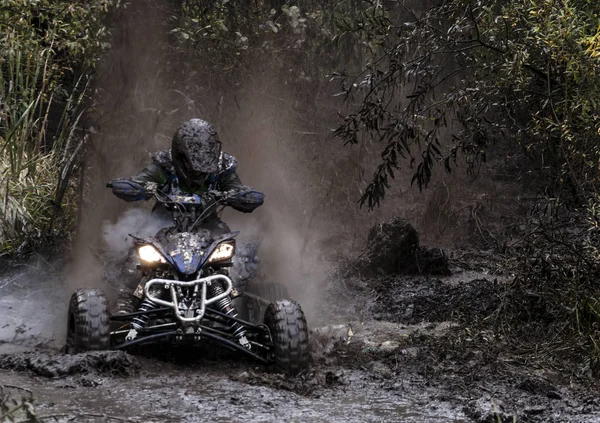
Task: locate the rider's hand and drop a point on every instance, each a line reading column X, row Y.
column 209, row 198
column 245, row 200
column 150, row 188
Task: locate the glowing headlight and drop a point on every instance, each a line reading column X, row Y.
column 224, row 251
column 149, row 254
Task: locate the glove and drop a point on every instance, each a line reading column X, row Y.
column 245, row 201
column 129, row 190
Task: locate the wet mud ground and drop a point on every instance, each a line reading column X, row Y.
column 384, row 353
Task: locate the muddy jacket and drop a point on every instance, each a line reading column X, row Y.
column 162, row 172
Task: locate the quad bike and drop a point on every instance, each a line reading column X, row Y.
column 185, row 294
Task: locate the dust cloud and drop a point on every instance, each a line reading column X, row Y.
column 129, row 91
column 139, row 222
column 272, row 160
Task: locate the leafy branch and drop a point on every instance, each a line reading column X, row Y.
column 465, row 74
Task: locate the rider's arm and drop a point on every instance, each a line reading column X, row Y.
column 231, row 181
column 136, row 187
column 151, row 173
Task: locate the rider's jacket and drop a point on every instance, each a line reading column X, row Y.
column 162, row 172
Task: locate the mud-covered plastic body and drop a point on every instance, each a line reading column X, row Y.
column 246, row 263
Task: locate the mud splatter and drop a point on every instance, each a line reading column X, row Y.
column 113, row 363
column 414, row 300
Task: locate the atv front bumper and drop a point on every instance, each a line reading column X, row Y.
column 200, row 287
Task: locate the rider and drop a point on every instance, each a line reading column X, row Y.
column 195, row 164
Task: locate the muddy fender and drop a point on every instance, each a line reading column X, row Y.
column 270, row 291
column 287, row 324
column 88, row 322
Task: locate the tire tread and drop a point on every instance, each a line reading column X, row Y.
column 289, row 330
column 89, row 310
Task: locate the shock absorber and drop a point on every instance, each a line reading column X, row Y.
column 139, row 321
column 226, row 306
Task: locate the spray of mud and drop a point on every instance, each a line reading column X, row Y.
column 130, row 89
column 273, row 159
column 143, row 109
column 31, row 307
column 117, row 236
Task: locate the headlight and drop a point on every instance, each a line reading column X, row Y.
column 224, row 251
column 149, row 254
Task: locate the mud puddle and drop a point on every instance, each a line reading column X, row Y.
column 163, row 392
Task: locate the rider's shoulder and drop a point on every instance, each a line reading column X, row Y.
column 227, row 164
column 163, row 160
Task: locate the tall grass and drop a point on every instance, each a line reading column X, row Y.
column 36, row 164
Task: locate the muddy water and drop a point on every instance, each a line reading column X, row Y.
column 33, row 309
column 32, row 330
column 194, row 396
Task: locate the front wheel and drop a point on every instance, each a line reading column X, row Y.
column 88, row 321
column 287, row 324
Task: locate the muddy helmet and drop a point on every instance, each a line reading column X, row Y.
column 195, row 151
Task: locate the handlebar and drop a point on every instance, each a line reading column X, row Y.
column 244, row 200
column 130, row 190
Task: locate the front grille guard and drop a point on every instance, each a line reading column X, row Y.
column 201, row 283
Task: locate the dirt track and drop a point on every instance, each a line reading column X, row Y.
column 385, row 371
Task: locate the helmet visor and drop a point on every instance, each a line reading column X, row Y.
column 203, row 158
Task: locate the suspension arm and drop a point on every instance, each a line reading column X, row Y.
column 145, row 339
column 234, row 345
column 235, row 319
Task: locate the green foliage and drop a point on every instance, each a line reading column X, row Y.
column 477, row 72
column 72, row 31
column 47, row 52
column 445, row 83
